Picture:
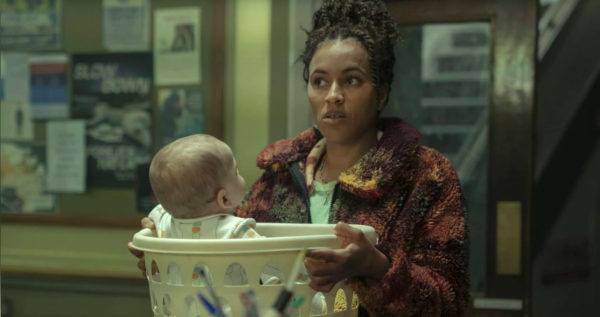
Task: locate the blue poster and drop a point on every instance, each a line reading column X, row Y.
column 48, row 86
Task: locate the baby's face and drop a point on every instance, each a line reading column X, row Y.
column 235, row 185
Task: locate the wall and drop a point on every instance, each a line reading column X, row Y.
column 247, row 127
column 96, row 255
column 566, row 274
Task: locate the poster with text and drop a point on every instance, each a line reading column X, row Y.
column 48, row 86
column 29, row 24
column 180, row 113
column 126, row 25
column 177, row 46
column 113, row 93
column 22, row 178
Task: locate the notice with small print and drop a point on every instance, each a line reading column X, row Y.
column 126, row 25
column 65, row 150
column 177, row 46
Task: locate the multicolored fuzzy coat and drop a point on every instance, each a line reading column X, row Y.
column 409, row 193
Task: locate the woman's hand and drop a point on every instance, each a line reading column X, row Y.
column 357, row 258
column 146, row 223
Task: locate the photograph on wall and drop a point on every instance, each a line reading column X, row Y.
column 48, row 86
column 112, row 92
column 180, row 113
column 126, row 25
column 29, row 25
column 22, row 179
column 177, row 46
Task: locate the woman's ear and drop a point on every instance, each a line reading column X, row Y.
column 382, row 97
column 222, row 200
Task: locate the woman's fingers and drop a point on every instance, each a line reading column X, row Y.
column 318, row 268
column 142, row 266
column 321, row 284
column 136, row 252
column 348, row 233
column 326, row 255
column 140, row 255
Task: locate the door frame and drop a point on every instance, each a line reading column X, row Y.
column 513, row 25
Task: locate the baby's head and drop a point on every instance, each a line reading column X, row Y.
column 196, row 176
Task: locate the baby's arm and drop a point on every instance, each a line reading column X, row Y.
column 155, row 217
column 245, row 229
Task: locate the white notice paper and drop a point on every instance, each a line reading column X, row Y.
column 126, row 25
column 15, row 121
column 15, row 76
column 65, row 150
column 177, row 46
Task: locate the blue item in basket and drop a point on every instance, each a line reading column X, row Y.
column 217, row 305
column 211, row 309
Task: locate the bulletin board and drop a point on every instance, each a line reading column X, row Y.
column 82, row 40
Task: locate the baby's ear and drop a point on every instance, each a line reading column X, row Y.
column 222, row 199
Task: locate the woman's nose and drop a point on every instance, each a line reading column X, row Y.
column 335, row 94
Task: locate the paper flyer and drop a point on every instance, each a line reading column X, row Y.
column 113, row 93
column 65, row 150
column 28, row 25
column 22, row 179
column 180, row 113
column 126, row 25
column 177, row 46
column 48, row 86
column 15, row 76
column 15, row 121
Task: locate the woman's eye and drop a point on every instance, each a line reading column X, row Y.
column 319, row 82
column 353, row 81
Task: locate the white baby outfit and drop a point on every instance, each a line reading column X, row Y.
column 217, row 226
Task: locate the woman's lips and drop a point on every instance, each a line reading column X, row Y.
column 334, row 117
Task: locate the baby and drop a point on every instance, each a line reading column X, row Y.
column 198, row 185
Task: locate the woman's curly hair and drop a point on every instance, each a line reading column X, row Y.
column 367, row 21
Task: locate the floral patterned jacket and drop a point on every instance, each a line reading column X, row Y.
column 412, row 197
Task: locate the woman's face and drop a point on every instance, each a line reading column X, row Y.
column 341, row 93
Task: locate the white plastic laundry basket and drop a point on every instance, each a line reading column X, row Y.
column 174, row 284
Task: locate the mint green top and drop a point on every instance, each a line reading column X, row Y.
column 320, row 201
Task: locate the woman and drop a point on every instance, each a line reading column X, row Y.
column 356, row 168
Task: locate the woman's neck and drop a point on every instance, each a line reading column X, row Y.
column 340, row 157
